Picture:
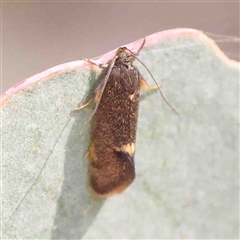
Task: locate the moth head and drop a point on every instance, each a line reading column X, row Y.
column 125, row 56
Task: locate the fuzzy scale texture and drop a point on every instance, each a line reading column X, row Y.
column 114, row 131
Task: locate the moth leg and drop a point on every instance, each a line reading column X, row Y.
column 90, row 152
column 87, row 154
column 84, row 105
column 96, row 98
column 97, row 94
column 143, row 84
column 97, row 64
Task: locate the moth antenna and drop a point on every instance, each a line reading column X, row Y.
column 155, row 82
column 144, row 40
column 101, row 93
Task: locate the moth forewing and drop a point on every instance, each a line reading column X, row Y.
column 112, row 149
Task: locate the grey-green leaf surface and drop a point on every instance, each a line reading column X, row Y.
column 186, row 184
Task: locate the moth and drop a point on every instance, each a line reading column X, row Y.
column 113, row 139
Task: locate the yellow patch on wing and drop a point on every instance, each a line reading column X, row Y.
column 91, row 153
column 128, row 148
column 132, row 96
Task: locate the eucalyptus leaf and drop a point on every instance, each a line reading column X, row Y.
column 187, row 175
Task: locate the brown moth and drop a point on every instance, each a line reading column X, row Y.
column 113, row 139
column 112, row 149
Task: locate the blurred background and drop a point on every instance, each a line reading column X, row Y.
column 40, row 35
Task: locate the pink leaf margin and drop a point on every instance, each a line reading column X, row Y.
column 134, row 46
